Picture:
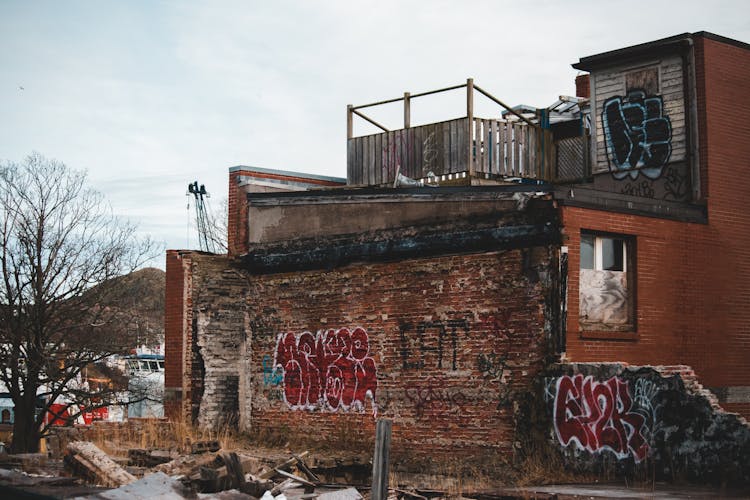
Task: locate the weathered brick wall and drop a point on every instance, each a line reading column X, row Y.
column 693, row 300
column 219, row 339
column 442, row 344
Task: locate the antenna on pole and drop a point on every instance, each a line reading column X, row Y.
column 205, row 233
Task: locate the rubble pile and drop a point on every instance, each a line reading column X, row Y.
column 207, row 472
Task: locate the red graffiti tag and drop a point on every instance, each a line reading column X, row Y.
column 599, row 416
column 331, row 370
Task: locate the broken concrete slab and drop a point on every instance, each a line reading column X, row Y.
column 156, row 485
column 345, row 494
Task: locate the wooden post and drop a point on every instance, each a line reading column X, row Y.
column 407, row 110
column 470, row 123
column 380, row 460
column 349, row 122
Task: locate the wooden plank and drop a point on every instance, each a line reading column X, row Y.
column 493, row 147
column 355, row 172
column 294, row 477
column 366, row 171
column 446, row 133
column 400, row 143
column 533, row 164
column 378, row 159
column 503, row 148
column 360, row 167
column 489, row 146
column 349, row 122
column 454, row 148
column 283, row 465
column 480, row 163
column 350, row 161
column 464, row 143
column 528, row 172
column 418, row 154
column 387, row 156
column 516, row 150
column 487, row 140
column 372, row 159
column 380, row 465
column 415, row 168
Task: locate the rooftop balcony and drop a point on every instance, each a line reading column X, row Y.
column 518, row 146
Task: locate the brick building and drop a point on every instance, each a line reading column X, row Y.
column 604, row 228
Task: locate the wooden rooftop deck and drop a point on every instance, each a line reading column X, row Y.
column 515, row 146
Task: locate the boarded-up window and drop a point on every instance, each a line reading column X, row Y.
column 606, row 283
column 646, row 79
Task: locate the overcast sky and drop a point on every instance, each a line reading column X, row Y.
column 149, row 96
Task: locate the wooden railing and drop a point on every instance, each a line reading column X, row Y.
column 476, row 147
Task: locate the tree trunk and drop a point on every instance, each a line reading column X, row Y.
column 25, row 430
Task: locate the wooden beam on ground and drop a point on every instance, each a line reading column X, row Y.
column 102, row 469
column 294, row 477
column 284, row 465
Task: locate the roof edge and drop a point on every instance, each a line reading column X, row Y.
column 289, row 173
column 675, row 42
column 597, row 60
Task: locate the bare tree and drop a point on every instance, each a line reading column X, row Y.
column 218, row 222
column 59, row 241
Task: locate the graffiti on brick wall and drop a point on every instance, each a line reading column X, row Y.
column 638, row 135
column 271, row 376
column 431, row 339
column 604, row 416
column 329, row 371
column 432, row 396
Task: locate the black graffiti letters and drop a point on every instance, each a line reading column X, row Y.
column 637, row 134
column 416, row 344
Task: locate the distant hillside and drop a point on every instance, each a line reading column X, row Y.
column 137, row 301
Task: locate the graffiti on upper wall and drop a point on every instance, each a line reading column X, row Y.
column 431, row 339
column 637, row 134
column 605, row 416
column 674, row 185
column 330, row 371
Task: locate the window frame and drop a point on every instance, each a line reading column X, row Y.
column 592, row 329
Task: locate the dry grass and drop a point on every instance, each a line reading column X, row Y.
column 158, row 433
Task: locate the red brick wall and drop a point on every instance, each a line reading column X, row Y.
column 583, row 86
column 176, row 322
column 449, row 394
column 237, row 214
column 693, row 286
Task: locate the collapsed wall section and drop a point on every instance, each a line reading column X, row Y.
column 205, row 330
column 654, row 419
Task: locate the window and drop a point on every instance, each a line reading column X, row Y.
column 606, row 284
